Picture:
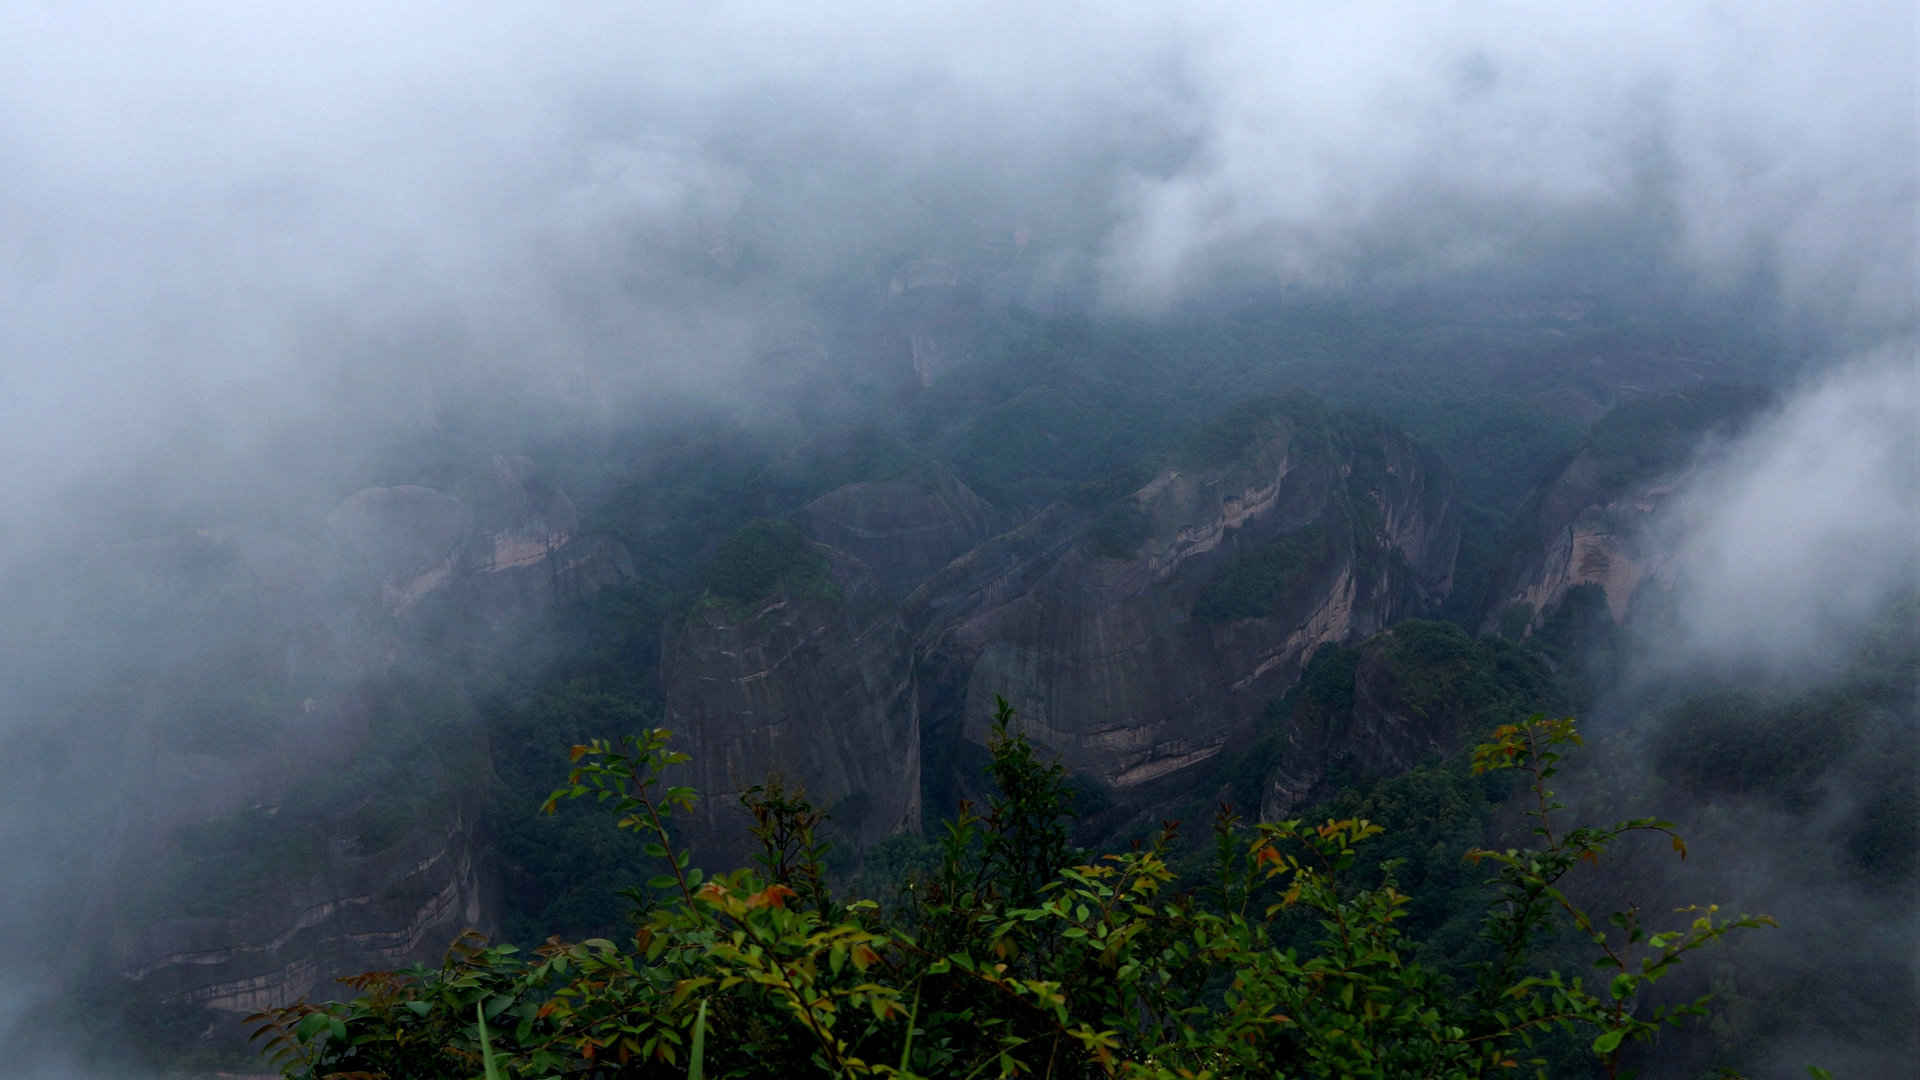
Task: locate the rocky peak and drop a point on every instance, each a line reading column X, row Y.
column 905, row 528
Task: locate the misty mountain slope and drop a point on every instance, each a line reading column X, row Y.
column 1591, row 524
column 1066, row 424
column 1759, row 687
column 300, row 770
column 802, row 671
column 1198, row 595
column 377, row 384
column 1137, row 564
column 1194, row 597
column 1798, row 794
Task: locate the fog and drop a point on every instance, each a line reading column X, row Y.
column 1788, row 543
column 245, row 246
column 215, row 208
column 1789, row 570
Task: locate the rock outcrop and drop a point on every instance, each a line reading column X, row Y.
column 1588, row 525
column 510, row 549
column 1384, row 705
column 904, row 529
column 302, row 782
column 1137, row 636
column 351, row 910
column 812, row 682
column 1580, row 532
column 1141, row 638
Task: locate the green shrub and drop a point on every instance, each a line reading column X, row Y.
column 1015, row 955
column 763, row 556
column 1254, row 584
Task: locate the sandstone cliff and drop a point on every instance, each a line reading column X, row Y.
column 811, row 680
column 1588, row 525
column 903, row 529
column 304, row 768
column 1580, row 531
column 510, row 549
column 1140, row 638
column 1384, row 705
column 1138, row 635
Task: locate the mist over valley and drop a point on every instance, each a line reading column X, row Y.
column 1263, row 403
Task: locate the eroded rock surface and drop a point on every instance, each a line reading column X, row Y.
column 1590, row 524
column 1137, row 637
column 814, row 683
column 303, row 784
column 1124, row 657
column 904, row 529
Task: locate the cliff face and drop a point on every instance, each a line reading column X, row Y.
column 814, row 682
column 1140, row 638
column 306, row 770
column 1137, row 636
column 903, row 529
column 1381, row 707
column 1589, row 524
column 1581, row 532
column 511, row 548
column 348, row 911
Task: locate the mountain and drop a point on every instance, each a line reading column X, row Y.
column 1137, row 632
column 1590, row 523
column 302, row 769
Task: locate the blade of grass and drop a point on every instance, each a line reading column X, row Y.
column 486, row 1044
column 696, row 1067
column 913, row 1016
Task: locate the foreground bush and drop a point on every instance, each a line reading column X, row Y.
column 1016, row 956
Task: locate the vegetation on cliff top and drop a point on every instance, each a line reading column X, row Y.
column 763, row 556
column 1017, row 955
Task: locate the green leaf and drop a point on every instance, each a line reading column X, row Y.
column 486, row 1047
column 1609, row 1041
column 696, row 1065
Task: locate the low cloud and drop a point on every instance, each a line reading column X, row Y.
column 1791, row 540
column 222, row 213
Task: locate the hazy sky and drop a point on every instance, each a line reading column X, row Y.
column 211, row 211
